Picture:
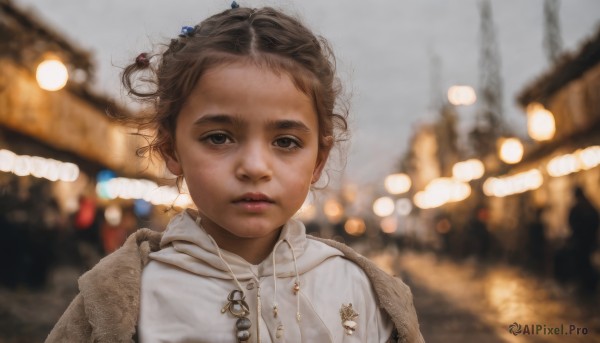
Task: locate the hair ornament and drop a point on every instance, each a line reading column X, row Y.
column 186, row 31
column 142, row 61
column 234, row 4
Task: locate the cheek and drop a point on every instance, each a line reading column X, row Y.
column 203, row 192
column 297, row 184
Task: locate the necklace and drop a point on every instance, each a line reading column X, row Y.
column 237, row 306
column 236, row 303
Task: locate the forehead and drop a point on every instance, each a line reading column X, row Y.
column 239, row 73
column 249, row 91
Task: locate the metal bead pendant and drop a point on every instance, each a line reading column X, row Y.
column 243, row 335
column 237, row 306
column 243, row 323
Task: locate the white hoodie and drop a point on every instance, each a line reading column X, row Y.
column 186, row 284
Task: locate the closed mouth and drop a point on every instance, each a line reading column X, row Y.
column 253, row 197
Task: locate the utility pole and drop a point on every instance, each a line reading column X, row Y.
column 552, row 36
column 489, row 125
column 446, row 123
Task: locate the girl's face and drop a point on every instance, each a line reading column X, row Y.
column 246, row 142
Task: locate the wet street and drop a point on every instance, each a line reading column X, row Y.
column 465, row 302
column 28, row 315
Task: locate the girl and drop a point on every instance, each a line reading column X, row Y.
column 244, row 113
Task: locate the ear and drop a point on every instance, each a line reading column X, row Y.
column 322, row 157
column 174, row 166
column 172, row 160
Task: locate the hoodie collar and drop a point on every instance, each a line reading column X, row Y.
column 187, row 245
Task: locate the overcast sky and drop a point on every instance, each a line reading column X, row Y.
column 383, row 48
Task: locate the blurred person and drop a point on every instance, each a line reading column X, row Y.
column 114, row 234
column 444, row 229
column 86, row 223
column 27, row 255
column 536, row 243
column 478, row 237
column 12, row 218
column 583, row 221
column 245, row 112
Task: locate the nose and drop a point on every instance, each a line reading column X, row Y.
column 254, row 163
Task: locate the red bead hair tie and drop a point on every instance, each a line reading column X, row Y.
column 142, row 60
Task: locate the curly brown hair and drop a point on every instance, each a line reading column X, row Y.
column 263, row 36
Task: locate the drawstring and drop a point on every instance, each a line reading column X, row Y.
column 226, row 264
column 221, row 257
column 296, row 283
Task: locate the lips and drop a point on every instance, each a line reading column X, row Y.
column 253, row 197
column 255, row 203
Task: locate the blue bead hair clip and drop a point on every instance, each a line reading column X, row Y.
column 186, row 31
column 234, row 4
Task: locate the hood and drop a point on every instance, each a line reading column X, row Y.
column 186, row 245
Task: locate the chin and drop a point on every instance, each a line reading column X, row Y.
column 254, row 231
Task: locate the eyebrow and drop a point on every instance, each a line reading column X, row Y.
column 286, row 124
column 217, row 119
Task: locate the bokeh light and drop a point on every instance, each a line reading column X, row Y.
column 461, row 95
column 514, row 184
column 397, row 183
column 40, row 167
column 441, row 191
column 52, row 75
column 540, row 122
column 383, row 206
column 334, row 211
column 389, row 225
column 355, row 226
column 468, row 170
column 403, row 206
column 511, row 150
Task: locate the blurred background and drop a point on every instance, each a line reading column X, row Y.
column 473, row 171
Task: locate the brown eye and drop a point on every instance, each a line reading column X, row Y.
column 284, row 142
column 287, row 143
column 218, row 138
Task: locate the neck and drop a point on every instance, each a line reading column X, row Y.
column 253, row 250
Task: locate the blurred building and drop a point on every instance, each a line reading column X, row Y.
column 561, row 154
column 433, row 150
column 70, row 124
column 55, row 140
column 570, row 91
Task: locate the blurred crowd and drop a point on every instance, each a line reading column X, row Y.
column 573, row 260
column 39, row 236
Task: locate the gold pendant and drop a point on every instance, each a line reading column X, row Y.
column 348, row 316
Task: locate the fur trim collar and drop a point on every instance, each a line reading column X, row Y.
column 115, row 281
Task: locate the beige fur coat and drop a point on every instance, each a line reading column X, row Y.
column 107, row 307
